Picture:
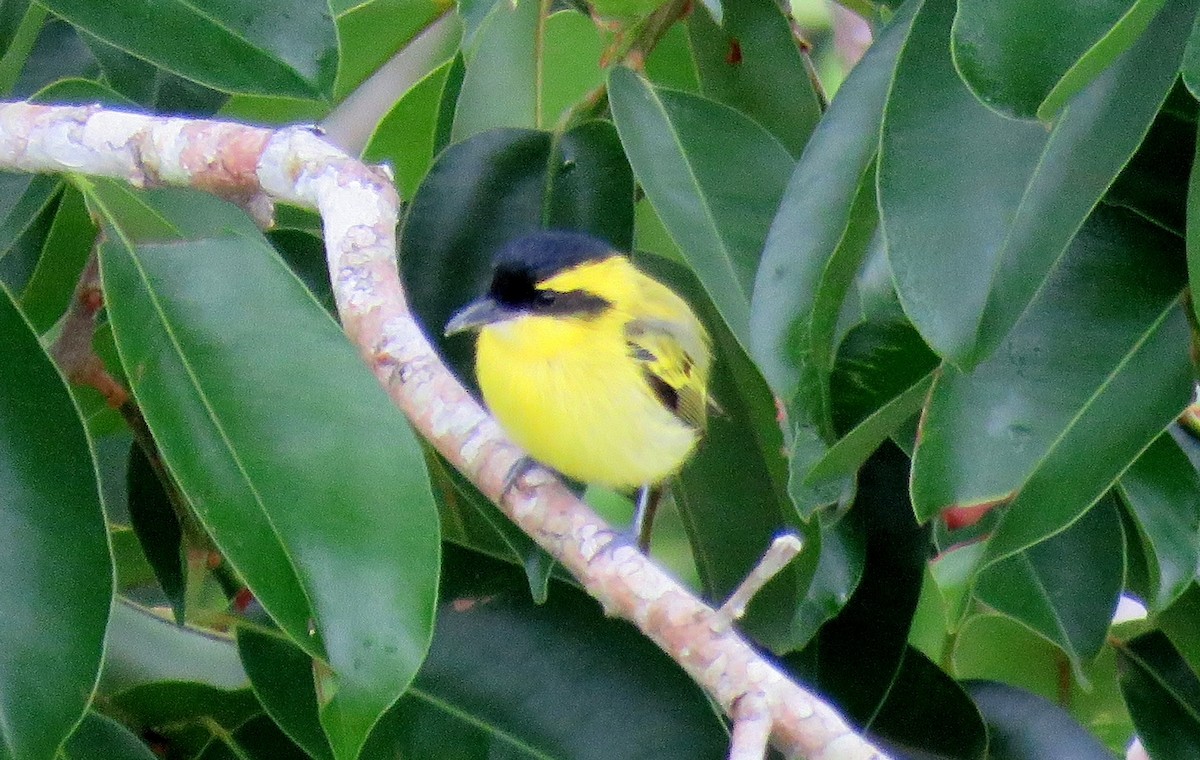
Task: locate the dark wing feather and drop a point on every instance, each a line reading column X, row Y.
column 670, row 371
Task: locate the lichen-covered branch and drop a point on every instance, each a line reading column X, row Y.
column 358, row 205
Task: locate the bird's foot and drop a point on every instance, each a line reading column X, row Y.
column 519, row 469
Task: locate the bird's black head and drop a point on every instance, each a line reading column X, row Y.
column 519, row 270
column 526, row 261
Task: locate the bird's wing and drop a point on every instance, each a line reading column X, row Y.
column 674, row 374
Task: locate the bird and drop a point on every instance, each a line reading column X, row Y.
column 593, row 367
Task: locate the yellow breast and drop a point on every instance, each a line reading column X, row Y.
column 566, row 391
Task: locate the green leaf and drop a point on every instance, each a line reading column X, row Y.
column 500, row 88
column 1162, row 491
column 99, row 737
column 331, row 526
column 58, row 53
column 281, row 676
column 497, row 186
column 284, row 48
column 1179, row 623
column 1026, row 58
column 671, row 62
column 1022, row 726
column 58, row 575
column 594, row 688
column 363, row 49
column 569, row 64
column 157, row 528
column 1155, row 181
column 1020, row 428
column 857, row 656
column 52, row 284
column 1043, row 587
column 753, row 62
column 27, row 207
column 142, row 649
column 715, row 178
column 922, row 696
column 1163, row 694
column 996, row 196
column 406, row 138
column 813, row 246
column 256, row 739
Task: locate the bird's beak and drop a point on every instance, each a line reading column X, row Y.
column 475, row 315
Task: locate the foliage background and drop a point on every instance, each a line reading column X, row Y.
column 960, row 290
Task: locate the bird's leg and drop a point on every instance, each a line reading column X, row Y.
column 648, row 500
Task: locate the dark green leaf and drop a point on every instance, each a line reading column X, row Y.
column 52, row 284
column 281, row 676
column 506, row 678
column 497, row 186
column 997, row 196
column 58, row 576
column 101, row 738
column 331, row 526
column 1026, row 58
column 1021, row 425
column 142, row 649
column 142, row 82
column 1163, row 694
column 363, row 48
column 1155, row 182
column 927, row 715
column 1162, row 491
column 27, row 209
column 11, row 14
column 1066, row 587
column 826, row 210
column 157, row 528
column 715, row 178
column 857, row 656
column 752, row 62
column 282, row 47
column 58, row 53
column 1022, row 726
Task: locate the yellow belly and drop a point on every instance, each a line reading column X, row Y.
column 583, row 410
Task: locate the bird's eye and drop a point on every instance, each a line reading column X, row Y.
column 544, row 298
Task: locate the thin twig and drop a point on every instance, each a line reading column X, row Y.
column 782, row 551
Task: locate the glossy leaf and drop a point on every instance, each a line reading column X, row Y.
column 99, row 737
column 494, row 187
column 714, row 177
column 816, row 216
column 244, row 427
column 923, row 697
column 1178, row 622
column 283, row 48
column 857, row 656
column 558, row 680
column 569, row 65
column 1163, row 694
column 1111, row 313
column 158, row 530
column 751, row 61
column 26, row 215
column 1162, row 490
column 1155, row 182
column 281, row 676
column 1042, row 587
column 997, row 196
column 1022, row 726
column 501, row 57
column 363, row 49
column 407, row 136
column 68, row 242
column 58, row 572
column 1027, row 59
column 143, row 650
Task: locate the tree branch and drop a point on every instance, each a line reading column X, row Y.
column 358, row 205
